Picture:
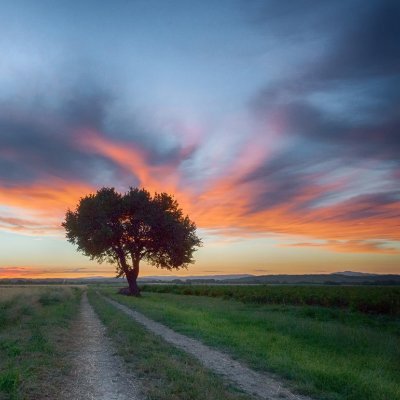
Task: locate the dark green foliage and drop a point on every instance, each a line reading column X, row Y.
column 365, row 299
column 10, row 347
column 50, row 297
column 124, row 229
column 9, row 381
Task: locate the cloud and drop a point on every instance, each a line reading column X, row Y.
column 19, row 271
column 367, row 47
column 38, row 143
column 302, row 20
column 344, row 100
column 37, row 272
column 37, row 209
column 354, row 39
column 340, row 136
column 350, row 246
column 58, row 148
column 128, row 156
column 41, row 139
column 27, row 226
column 315, row 154
column 338, row 115
column 293, row 190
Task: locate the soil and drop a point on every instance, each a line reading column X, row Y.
column 262, row 385
column 97, row 371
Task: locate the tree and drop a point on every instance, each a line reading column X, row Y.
column 124, row 229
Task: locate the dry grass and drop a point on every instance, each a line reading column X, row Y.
column 8, row 292
column 33, row 322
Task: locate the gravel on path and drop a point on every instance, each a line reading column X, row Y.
column 261, row 385
column 97, row 372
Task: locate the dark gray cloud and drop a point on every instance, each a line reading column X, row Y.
column 40, row 140
column 38, row 145
column 364, row 207
column 301, row 19
column 160, row 143
column 86, row 107
column 361, row 45
column 343, row 128
column 291, row 179
column 379, row 139
column 304, row 180
column 368, row 46
column 358, row 38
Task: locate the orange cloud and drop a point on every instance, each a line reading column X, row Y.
column 20, row 272
column 39, row 208
column 14, row 272
column 225, row 204
column 349, row 246
column 229, row 208
column 133, row 159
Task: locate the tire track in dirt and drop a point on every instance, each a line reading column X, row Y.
column 97, row 372
column 262, row 385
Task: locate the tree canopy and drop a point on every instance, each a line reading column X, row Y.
column 124, row 229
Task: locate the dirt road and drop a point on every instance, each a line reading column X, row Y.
column 97, row 372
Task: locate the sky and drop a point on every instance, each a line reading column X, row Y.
column 275, row 125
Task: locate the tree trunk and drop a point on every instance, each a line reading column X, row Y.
column 131, row 277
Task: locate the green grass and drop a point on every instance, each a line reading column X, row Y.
column 32, row 323
column 165, row 372
column 332, row 354
column 365, row 299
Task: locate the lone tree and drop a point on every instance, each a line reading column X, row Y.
column 124, row 229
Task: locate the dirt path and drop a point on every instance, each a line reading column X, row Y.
column 263, row 385
column 97, row 372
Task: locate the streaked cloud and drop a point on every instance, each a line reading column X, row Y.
column 294, row 131
column 350, row 246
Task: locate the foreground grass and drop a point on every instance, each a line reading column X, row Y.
column 165, row 372
column 328, row 353
column 32, row 322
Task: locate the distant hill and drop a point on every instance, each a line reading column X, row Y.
column 337, row 278
column 352, row 273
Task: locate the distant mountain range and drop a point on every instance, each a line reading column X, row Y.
column 352, row 273
column 336, row 278
column 194, row 277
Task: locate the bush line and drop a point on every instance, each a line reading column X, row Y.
column 369, row 300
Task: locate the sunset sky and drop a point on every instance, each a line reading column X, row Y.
column 275, row 124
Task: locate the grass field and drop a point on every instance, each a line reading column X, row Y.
column 33, row 321
column 366, row 299
column 330, row 353
column 165, row 372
